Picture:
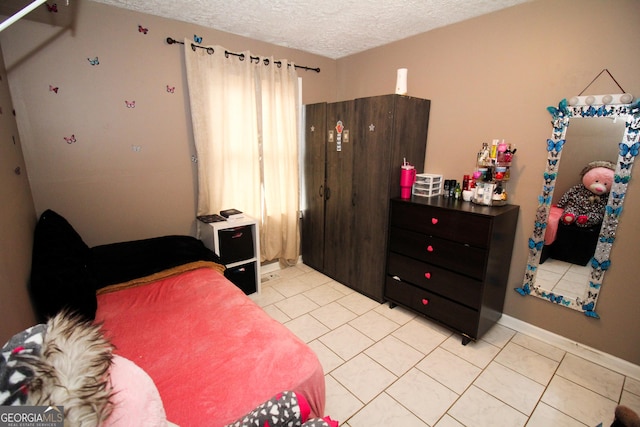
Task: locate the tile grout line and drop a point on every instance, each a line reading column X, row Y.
column 415, row 365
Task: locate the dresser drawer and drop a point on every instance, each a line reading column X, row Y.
column 462, row 289
column 449, row 224
column 457, row 316
column 461, row 258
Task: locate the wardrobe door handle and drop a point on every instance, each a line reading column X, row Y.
column 327, row 193
column 321, row 191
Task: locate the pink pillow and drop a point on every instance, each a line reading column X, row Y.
column 136, row 401
column 552, row 224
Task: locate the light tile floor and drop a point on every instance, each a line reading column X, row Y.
column 388, row 367
column 563, row 278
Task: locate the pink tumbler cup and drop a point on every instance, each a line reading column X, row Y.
column 407, row 178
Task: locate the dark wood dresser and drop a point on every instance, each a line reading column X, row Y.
column 449, row 260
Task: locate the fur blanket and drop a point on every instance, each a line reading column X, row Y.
column 63, row 363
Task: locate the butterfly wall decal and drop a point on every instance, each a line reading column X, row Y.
column 604, row 265
column 70, row 139
column 555, row 145
column 614, row 211
column 621, row 179
column 591, row 313
column 553, row 297
column 197, row 39
column 130, row 104
column 535, row 245
column 541, row 225
column 142, row 29
column 171, row 89
column 629, row 149
column 617, row 195
column 53, row 89
column 588, row 310
column 561, row 111
column 544, row 200
column 93, row 61
column 601, row 111
column 624, row 165
column 53, row 8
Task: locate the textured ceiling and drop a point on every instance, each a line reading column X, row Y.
column 331, row 28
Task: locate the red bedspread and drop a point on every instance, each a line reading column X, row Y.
column 213, row 354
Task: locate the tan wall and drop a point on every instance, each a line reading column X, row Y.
column 493, row 77
column 18, row 218
column 490, row 77
column 106, row 190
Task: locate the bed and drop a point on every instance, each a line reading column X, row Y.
column 212, row 353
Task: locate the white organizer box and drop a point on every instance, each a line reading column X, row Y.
column 427, row 185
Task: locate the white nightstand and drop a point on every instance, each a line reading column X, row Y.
column 237, row 243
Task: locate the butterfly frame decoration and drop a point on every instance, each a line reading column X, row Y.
column 628, row 150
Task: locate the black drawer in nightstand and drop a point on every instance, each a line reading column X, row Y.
column 243, row 276
column 237, row 244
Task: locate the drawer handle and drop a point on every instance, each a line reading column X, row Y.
column 427, row 275
column 425, row 301
column 429, row 248
column 434, row 221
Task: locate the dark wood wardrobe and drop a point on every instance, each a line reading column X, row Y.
column 353, row 152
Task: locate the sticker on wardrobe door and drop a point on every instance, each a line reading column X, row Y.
column 339, row 129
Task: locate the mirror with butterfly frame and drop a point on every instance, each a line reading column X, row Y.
column 617, row 127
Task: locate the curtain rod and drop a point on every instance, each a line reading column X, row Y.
column 240, row 55
column 25, row 10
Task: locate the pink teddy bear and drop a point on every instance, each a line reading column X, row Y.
column 584, row 204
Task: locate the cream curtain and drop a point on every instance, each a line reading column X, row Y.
column 245, row 125
column 279, row 113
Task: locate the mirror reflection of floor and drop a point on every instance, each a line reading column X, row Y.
column 563, row 278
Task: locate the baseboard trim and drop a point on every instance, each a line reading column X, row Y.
column 269, row 267
column 273, row 266
column 589, row 353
